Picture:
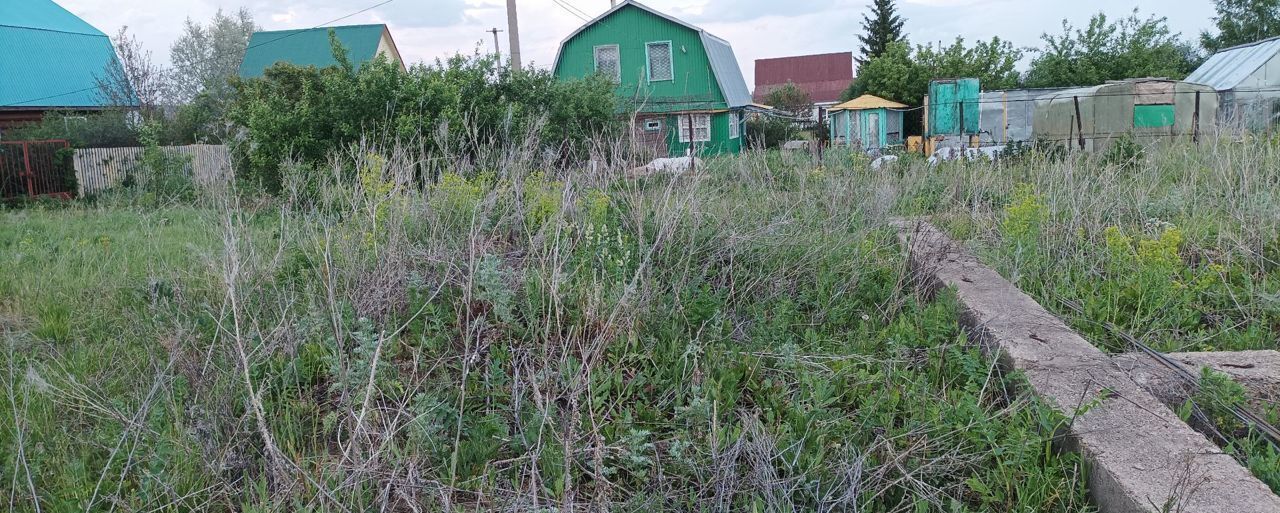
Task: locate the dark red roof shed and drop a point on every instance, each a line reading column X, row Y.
column 823, row 76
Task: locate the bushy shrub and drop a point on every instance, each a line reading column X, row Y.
column 1032, row 152
column 198, row 122
column 770, row 132
column 108, row 129
column 160, row 176
column 454, row 107
column 1124, row 152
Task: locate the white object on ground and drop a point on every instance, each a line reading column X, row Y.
column 883, row 161
column 671, row 164
column 955, row 153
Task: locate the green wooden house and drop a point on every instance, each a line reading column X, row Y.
column 682, row 85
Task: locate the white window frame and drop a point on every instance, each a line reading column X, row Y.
column 701, row 127
column 648, row 61
column 735, row 125
column 653, row 125
column 595, row 59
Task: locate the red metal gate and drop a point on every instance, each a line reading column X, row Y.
column 36, row 168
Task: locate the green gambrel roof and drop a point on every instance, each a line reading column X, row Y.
column 50, row 58
column 309, row 47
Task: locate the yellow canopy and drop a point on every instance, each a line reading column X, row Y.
column 868, row 101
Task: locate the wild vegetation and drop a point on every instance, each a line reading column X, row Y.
column 501, row 315
column 1175, row 247
column 504, row 338
column 453, row 109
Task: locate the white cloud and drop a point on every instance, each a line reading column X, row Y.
column 426, row 30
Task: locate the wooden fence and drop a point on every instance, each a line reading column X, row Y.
column 98, row 169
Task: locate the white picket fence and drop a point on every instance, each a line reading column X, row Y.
column 98, row 169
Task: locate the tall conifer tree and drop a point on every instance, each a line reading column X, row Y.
column 881, row 27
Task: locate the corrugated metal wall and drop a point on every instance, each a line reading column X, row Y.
column 1107, row 112
column 1007, row 116
column 693, row 88
column 953, row 106
column 98, row 169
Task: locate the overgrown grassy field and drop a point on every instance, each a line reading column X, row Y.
column 1178, row 249
column 742, row 340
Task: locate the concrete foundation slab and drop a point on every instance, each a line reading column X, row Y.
column 1257, row 371
column 1142, row 457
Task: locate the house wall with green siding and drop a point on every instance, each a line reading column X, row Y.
column 694, row 85
column 720, row 141
column 693, row 88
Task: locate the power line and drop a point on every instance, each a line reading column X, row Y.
column 573, row 6
column 578, row 13
column 247, row 48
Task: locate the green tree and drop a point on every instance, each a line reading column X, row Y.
column 134, row 80
column 903, row 76
column 205, row 57
column 993, row 63
column 894, row 75
column 1131, row 47
column 791, row 100
column 881, row 28
column 1242, row 21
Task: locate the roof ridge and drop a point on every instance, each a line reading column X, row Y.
column 824, row 54
column 1246, row 45
column 360, row 25
column 24, row 27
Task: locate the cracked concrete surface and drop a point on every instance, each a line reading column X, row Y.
column 1142, row 457
column 1257, row 371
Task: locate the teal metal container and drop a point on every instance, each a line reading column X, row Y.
column 953, row 106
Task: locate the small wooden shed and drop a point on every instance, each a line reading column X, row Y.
column 868, row 121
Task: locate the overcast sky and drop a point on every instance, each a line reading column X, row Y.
column 428, row 29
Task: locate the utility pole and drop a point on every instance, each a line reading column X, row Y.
column 513, row 32
column 496, row 50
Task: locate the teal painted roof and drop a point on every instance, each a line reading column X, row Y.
column 51, row 57
column 309, row 47
column 43, row 15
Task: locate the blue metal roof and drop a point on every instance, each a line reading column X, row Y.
column 51, row 59
column 309, row 47
column 43, row 15
column 1228, row 68
column 725, row 66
